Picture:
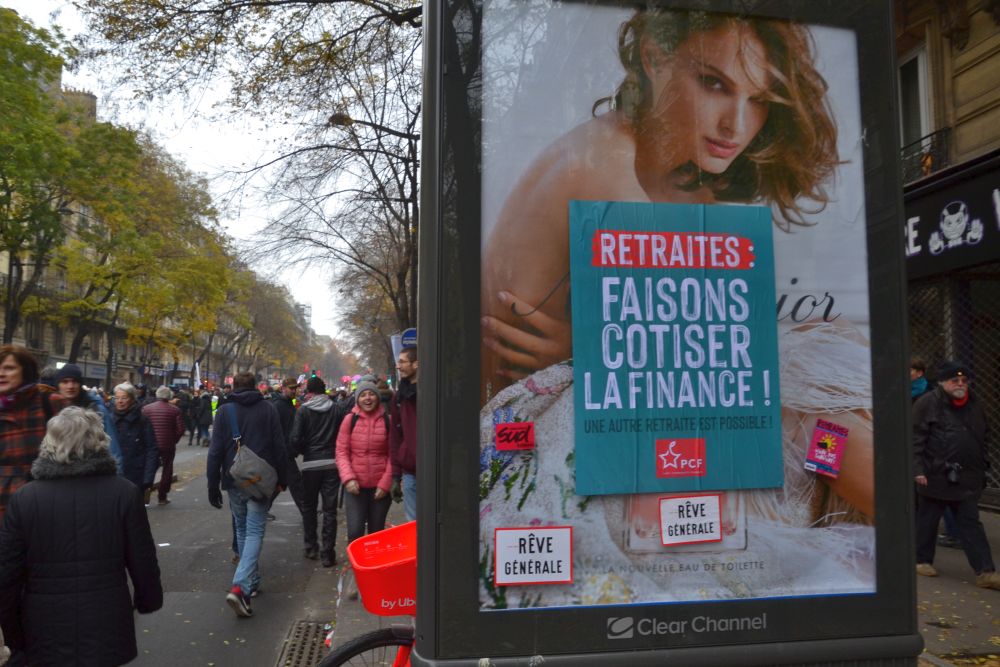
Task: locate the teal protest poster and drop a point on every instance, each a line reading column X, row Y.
column 675, row 352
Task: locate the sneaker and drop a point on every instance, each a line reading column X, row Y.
column 312, row 553
column 926, row 570
column 329, row 560
column 239, row 603
column 988, row 580
column 165, row 501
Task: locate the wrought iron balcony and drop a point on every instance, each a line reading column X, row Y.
column 925, row 156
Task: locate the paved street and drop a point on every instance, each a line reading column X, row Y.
column 195, row 626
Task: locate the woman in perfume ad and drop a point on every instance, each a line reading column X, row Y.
column 708, row 109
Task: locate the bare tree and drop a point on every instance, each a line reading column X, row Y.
column 355, row 203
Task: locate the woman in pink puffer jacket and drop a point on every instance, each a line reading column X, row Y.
column 363, row 462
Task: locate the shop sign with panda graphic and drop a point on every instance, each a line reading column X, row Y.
column 956, row 229
column 953, row 226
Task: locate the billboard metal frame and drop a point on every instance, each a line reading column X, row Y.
column 875, row 629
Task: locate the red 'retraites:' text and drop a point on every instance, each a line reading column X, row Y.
column 671, row 250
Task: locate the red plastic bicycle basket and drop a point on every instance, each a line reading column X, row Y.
column 385, row 567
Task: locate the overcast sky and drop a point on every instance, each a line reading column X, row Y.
column 207, row 148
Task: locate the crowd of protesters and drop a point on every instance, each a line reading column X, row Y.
column 64, row 445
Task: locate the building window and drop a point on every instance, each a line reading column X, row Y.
column 82, row 221
column 33, row 330
column 58, row 340
column 914, row 98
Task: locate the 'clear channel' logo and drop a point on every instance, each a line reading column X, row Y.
column 621, row 627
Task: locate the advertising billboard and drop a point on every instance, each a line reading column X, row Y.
column 677, row 251
column 676, row 323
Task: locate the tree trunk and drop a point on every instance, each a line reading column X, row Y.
column 74, row 347
column 18, row 291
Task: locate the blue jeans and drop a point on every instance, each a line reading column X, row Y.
column 410, row 496
column 251, row 518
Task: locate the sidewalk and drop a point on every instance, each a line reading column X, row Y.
column 960, row 622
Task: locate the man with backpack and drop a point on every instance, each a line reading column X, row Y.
column 248, row 418
column 314, row 436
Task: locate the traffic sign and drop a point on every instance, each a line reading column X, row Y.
column 409, row 338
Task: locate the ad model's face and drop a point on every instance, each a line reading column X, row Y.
column 708, row 96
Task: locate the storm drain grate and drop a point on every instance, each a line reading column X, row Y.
column 304, row 645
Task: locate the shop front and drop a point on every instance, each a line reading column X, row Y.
column 952, row 240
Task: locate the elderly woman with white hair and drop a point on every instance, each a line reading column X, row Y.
column 140, row 455
column 67, row 541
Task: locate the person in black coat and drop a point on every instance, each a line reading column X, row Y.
column 949, row 463
column 314, row 436
column 67, row 541
column 283, row 402
column 202, row 408
column 140, row 455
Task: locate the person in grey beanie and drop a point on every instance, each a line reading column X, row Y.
column 363, row 462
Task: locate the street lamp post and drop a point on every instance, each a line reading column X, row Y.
column 408, row 190
column 345, row 120
column 85, row 351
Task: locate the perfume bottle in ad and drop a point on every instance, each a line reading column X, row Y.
column 642, row 525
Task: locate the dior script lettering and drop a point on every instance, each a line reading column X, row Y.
column 804, row 308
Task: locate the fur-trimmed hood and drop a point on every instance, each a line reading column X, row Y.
column 98, row 462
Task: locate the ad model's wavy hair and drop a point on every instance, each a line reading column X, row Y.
column 792, row 156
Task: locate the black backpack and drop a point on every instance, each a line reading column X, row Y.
column 385, row 415
column 355, row 417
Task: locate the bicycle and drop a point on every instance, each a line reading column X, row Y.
column 385, row 569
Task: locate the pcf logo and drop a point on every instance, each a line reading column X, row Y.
column 680, row 457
